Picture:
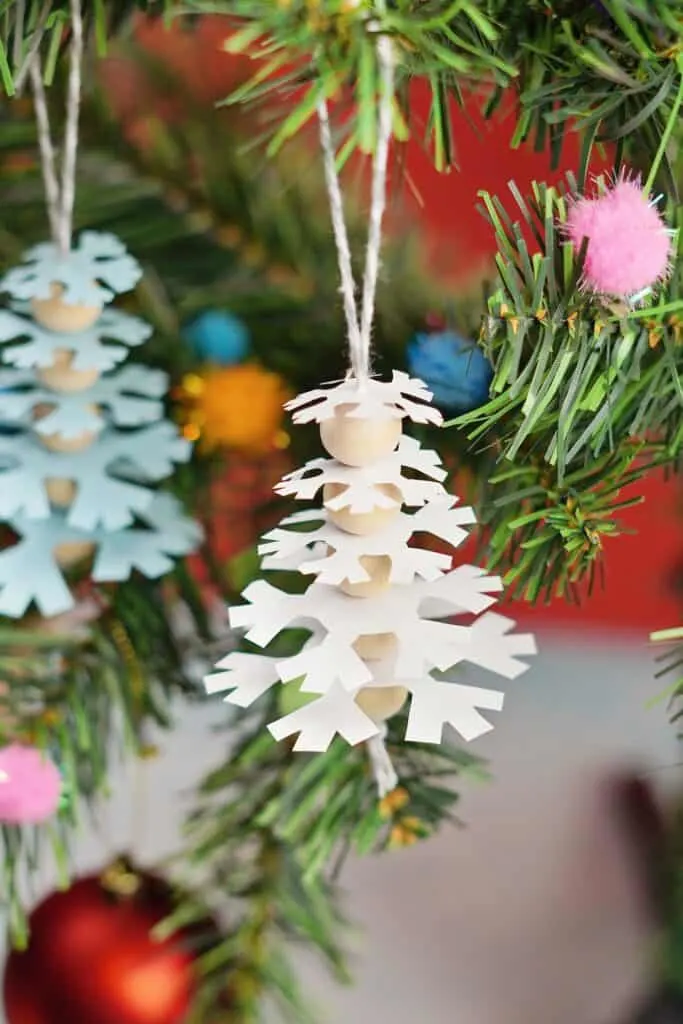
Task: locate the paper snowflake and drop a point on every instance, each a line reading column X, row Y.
column 331, row 667
column 403, row 396
column 341, row 553
column 100, row 347
column 360, row 492
column 96, row 269
column 435, row 703
column 29, row 573
column 109, row 475
column 128, row 398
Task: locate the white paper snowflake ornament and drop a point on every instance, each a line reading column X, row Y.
column 388, row 617
column 67, row 291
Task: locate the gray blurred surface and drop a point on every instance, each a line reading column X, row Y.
column 529, row 915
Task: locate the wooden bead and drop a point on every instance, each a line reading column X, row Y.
column 381, row 702
column 60, row 376
column 359, row 442
column 362, row 524
column 59, row 443
column 378, row 568
column 60, row 492
column 62, row 317
column 72, row 552
column 375, row 646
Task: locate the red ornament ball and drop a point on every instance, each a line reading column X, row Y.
column 92, row 959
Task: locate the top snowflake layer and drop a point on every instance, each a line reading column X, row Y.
column 403, row 396
column 94, row 349
column 96, row 269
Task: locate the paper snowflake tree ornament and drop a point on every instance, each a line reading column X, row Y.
column 387, row 615
column 79, row 468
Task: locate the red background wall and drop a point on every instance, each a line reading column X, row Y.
column 639, row 593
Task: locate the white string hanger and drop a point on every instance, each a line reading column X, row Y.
column 359, row 328
column 60, row 194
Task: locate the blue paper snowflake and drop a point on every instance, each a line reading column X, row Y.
column 91, row 274
column 127, row 398
column 100, row 347
column 110, row 476
column 29, row 573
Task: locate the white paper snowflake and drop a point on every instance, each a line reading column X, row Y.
column 96, row 269
column 108, row 475
column 434, row 703
column 30, row 575
column 360, row 492
column 341, row 553
column 403, row 396
column 128, row 398
column 412, row 613
column 100, row 347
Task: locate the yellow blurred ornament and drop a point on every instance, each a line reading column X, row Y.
column 239, row 407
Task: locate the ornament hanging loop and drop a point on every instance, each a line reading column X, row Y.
column 359, row 326
column 60, row 195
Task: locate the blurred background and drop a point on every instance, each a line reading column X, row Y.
column 241, row 284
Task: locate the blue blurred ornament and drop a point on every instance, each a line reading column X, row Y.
column 219, row 337
column 454, row 369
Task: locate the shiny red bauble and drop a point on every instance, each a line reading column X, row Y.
column 93, row 960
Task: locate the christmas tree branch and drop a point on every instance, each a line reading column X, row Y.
column 270, row 832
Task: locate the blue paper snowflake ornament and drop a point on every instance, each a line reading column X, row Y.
column 456, row 370
column 102, row 432
column 95, row 270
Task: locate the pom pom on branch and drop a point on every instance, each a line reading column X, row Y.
column 30, row 786
column 629, row 246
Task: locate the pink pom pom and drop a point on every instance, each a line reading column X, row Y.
column 629, row 246
column 30, row 785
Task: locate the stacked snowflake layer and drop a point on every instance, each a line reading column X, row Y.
column 82, row 441
column 384, row 614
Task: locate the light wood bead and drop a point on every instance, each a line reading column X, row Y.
column 362, row 524
column 375, row 646
column 60, row 376
column 381, row 702
column 378, row 568
column 62, row 317
column 359, row 442
column 60, row 492
column 72, row 552
column 59, row 443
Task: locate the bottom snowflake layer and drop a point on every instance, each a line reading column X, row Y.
column 30, row 571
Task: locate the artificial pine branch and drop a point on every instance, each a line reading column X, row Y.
column 270, row 833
